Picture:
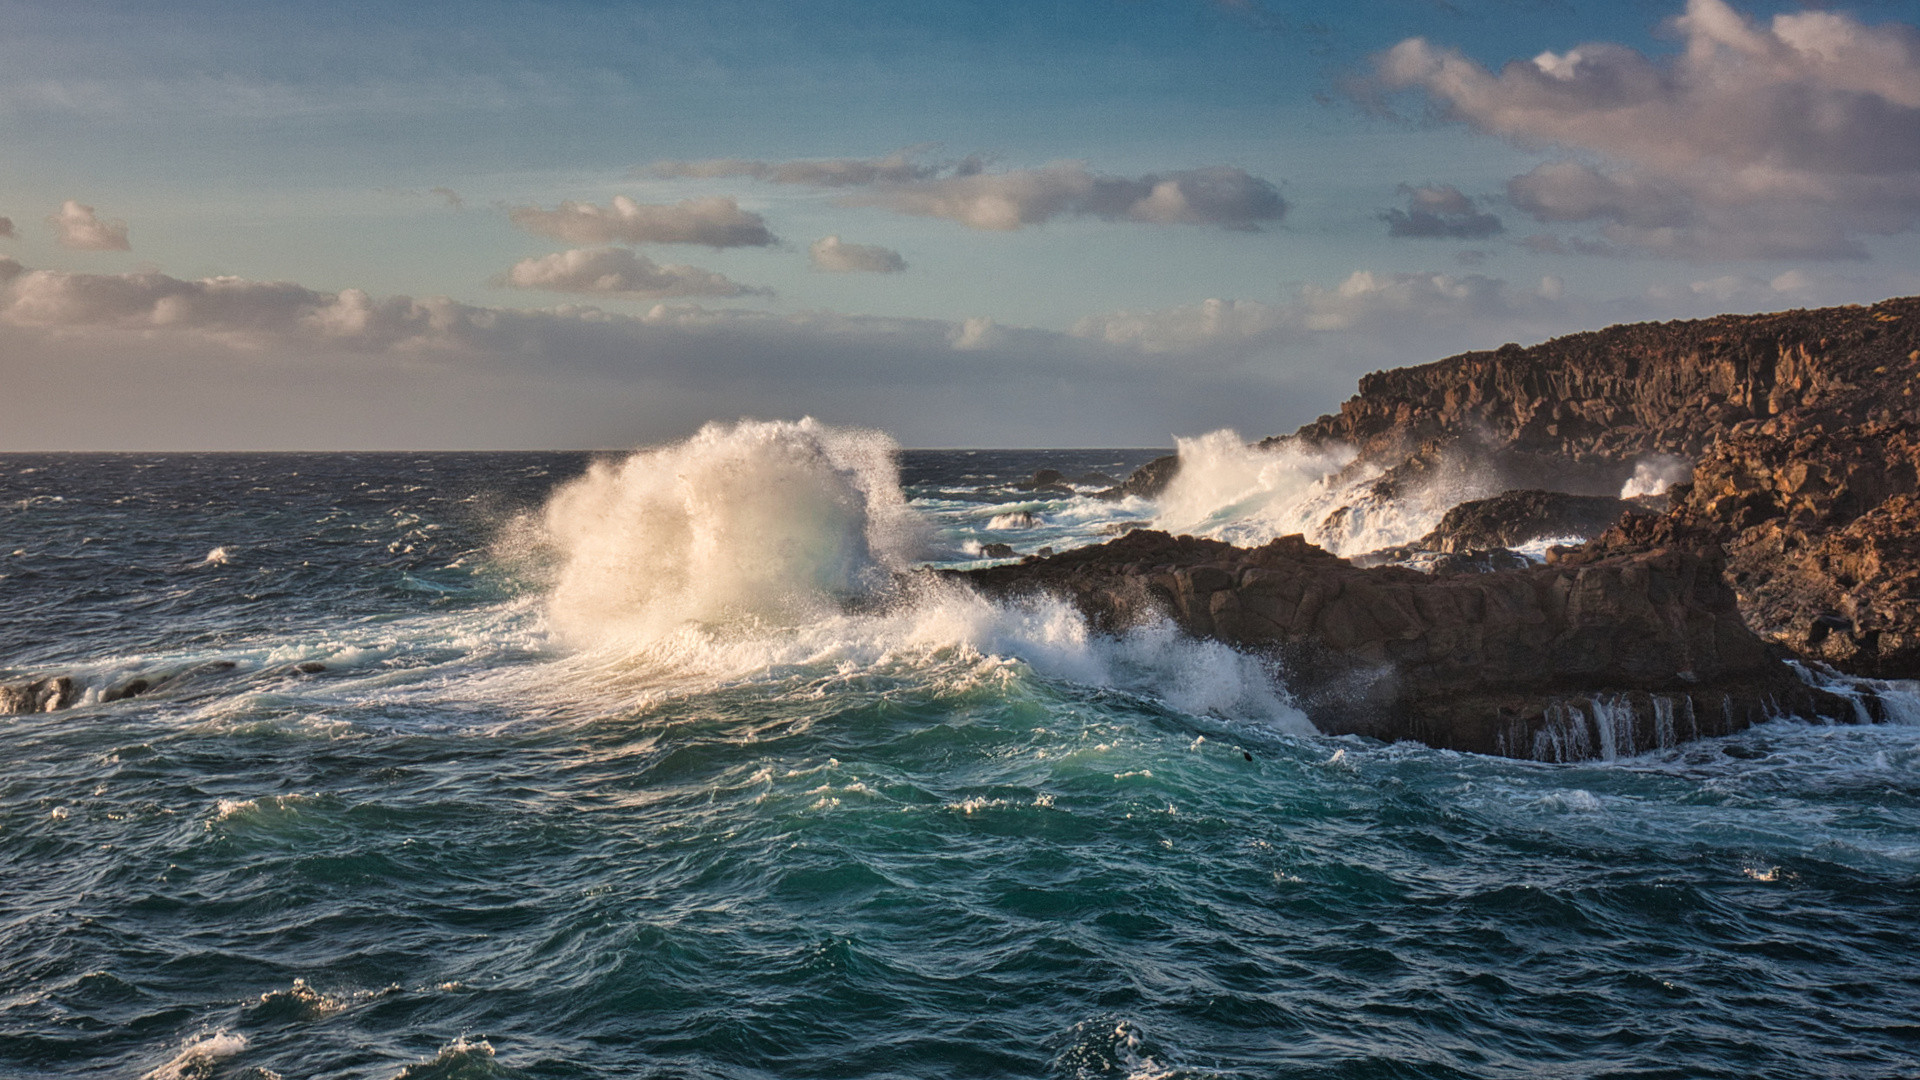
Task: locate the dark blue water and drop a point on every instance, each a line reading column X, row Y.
column 930, row 839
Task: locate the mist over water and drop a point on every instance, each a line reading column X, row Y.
column 672, row 764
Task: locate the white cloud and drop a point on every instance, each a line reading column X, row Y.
column 1786, row 139
column 964, row 191
column 1440, row 213
column 618, row 272
column 81, row 229
column 716, row 222
column 832, row 254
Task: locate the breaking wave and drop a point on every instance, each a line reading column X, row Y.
column 1249, row 494
column 777, row 550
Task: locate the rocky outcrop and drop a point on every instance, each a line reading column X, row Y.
column 1147, row 481
column 38, row 695
column 1609, row 655
column 1802, row 427
column 1514, row 518
column 1798, row 536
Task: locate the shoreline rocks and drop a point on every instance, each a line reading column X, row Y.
column 1610, row 656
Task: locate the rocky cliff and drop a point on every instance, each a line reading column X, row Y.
column 1797, row 537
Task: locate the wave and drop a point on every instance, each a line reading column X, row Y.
column 755, row 520
column 1249, row 494
column 762, row 551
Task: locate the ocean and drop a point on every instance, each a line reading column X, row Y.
column 672, row 764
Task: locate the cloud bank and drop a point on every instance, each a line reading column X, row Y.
column 715, row 222
column 964, row 191
column 78, row 227
column 235, row 363
column 1792, row 138
column 618, row 272
column 833, row 255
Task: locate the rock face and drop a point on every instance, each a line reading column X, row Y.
column 1798, row 535
column 1611, row 655
column 1803, row 429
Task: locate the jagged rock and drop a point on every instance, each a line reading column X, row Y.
column 1147, row 481
column 997, row 551
column 1516, row 517
column 38, row 696
column 1594, row 657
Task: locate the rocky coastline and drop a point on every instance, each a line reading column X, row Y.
column 1793, row 548
column 1743, row 497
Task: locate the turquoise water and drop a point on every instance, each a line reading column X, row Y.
column 924, row 837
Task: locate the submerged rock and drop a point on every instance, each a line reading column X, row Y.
column 38, row 696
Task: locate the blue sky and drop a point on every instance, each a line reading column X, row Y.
column 1076, row 223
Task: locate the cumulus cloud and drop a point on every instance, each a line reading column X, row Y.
column 1790, row 138
column 618, row 272
column 1440, row 213
column 966, row 192
column 716, row 222
column 80, row 228
column 832, row 254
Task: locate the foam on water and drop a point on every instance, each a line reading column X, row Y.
column 199, row 1057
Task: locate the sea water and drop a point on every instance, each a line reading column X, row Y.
column 674, row 765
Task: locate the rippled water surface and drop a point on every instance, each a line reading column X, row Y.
column 926, row 837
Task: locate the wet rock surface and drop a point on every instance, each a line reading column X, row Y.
column 1514, row 518
column 1610, row 655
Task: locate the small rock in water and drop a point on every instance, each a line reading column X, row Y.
column 997, row 551
column 310, row 667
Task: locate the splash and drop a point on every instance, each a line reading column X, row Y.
column 780, row 553
column 1248, row 495
column 771, row 521
column 1654, row 474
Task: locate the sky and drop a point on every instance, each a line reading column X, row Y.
column 1020, row 223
